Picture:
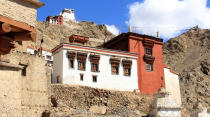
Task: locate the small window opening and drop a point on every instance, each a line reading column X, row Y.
column 81, row 77
column 24, row 70
column 94, row 78
column 71, row 64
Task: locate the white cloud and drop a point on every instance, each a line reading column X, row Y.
column 113, row 29
column 169, row 17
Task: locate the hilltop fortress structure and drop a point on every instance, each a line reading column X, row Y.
column 65, row 16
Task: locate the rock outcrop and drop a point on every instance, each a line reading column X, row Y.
column 189, row 54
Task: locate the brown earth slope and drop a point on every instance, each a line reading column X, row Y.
column 80, row 101
column 55, row 34
column 189, row 54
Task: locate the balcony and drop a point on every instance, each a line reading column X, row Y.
column 149, row 58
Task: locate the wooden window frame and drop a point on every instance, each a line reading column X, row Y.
column 151, row 67
column 148, row 51
column 92, row 67
column 71, row 63
column 117, row 69
column 83, row 64
column 129, row 71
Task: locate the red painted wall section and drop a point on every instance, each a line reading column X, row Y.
column 149, row 82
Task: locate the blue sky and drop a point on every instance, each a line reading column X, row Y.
column 116, row 12
column 100, row 11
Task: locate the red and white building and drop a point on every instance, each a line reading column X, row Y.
column 55, row 19
column 128, row 62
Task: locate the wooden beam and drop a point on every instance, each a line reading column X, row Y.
column 10, row 65
column 5, row 28
column 17, row 24
column 24, row 36
column 5, row 46
column 6, row 38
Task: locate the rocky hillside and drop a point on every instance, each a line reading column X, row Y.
column 56, row 34
column 189, row 54
column 79, row 101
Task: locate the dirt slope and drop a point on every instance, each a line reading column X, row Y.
column 68, row 100
column 189, row 54
column 55, row 34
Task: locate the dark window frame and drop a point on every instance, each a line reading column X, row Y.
column 71, row 64
column 117, row 69
column 96, row 69
column 83, row 64
column 151, row 69
column 148, row 51
column 129, row 71
column 81, row 77
column 94, row 78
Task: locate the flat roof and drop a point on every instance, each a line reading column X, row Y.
column 94, row 49
column 36, row 2
column 127, row 35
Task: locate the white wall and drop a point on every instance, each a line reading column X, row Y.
column 67, row 16
column 45, row 54
column 172, row 85
column 57, row 66
column 105, row 79
column 29, row 50
column 169, row 113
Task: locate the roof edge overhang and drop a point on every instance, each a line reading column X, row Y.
column 100, row 50
column 133, row 36
column 36, row 2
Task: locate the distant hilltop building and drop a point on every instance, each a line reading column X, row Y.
column 55, row 19
column 68, row 15
column 64, row 16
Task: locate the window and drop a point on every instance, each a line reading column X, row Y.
column 149, row 67
column 58, row 79
column 71, row 63
column 81, row 77
column 148, row 51
column 94, row 67
column 127, row 71
column 81, row 65
column 94, row 78
column 23, row 72
column 49, row 57
column 127, row 66
column 115, row 69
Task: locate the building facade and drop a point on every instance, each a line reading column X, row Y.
column 23, row 77
column 65, row 16
column 47, row 54
column 150, row 59
column 94, row 67
column 68, row 15
column 55, row 19
column 136, row 60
